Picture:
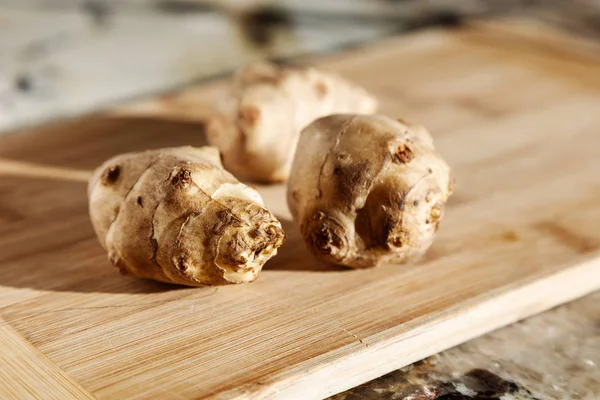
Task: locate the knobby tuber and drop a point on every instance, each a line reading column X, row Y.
column 367, row 190
column 175, row 215
column 257, row 126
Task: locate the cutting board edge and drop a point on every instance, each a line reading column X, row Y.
column 300, row 385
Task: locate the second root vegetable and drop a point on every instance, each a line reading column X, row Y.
column 257, row 126
column 367, row 190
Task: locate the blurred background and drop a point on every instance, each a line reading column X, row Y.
column 65, row 57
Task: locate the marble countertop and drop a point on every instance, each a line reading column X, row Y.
column 63, row 58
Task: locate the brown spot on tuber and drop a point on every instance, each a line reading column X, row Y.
column 403, row 154
column 182, row 264
column 325, row 236
column 325, row 240
column 429, row 196
column 398, row 239
column 113, row 258
column 111, row 175
column 436, row 213
column 233, row 253
column 351, row 179
column 226, row 219
column 182, row 178
column 391, row 223
column 249, row 115
column 139, row 201
column 321, row 89
column 451, row 184
column 275, row 234
column 344, row 157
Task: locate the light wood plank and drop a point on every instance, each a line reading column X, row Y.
column 520, row 235
column 25, row 373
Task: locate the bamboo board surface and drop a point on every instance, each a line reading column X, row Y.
column 515, row 110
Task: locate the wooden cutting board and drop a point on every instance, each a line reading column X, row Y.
column 514, row 109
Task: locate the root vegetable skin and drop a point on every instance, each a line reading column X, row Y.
column 257, row 127
column 367, row 190
column 175, row 215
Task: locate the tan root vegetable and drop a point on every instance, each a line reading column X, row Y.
column 367, row 190
column 257, row 127
column 175, row 215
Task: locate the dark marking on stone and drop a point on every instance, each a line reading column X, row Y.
column 140, row 202
column 491, row 382
column 259, row 24
column 111, row 175
column 454, row 396
column 24, row 83
column 445, row 18
column 181, row 6
column 99, row 11
column 403, row 154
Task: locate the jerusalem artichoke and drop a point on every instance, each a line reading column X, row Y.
column 367, row 190
column 257, row 127
column 175, row 215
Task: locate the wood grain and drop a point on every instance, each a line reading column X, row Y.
column 28, row 374
column 514, row 115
